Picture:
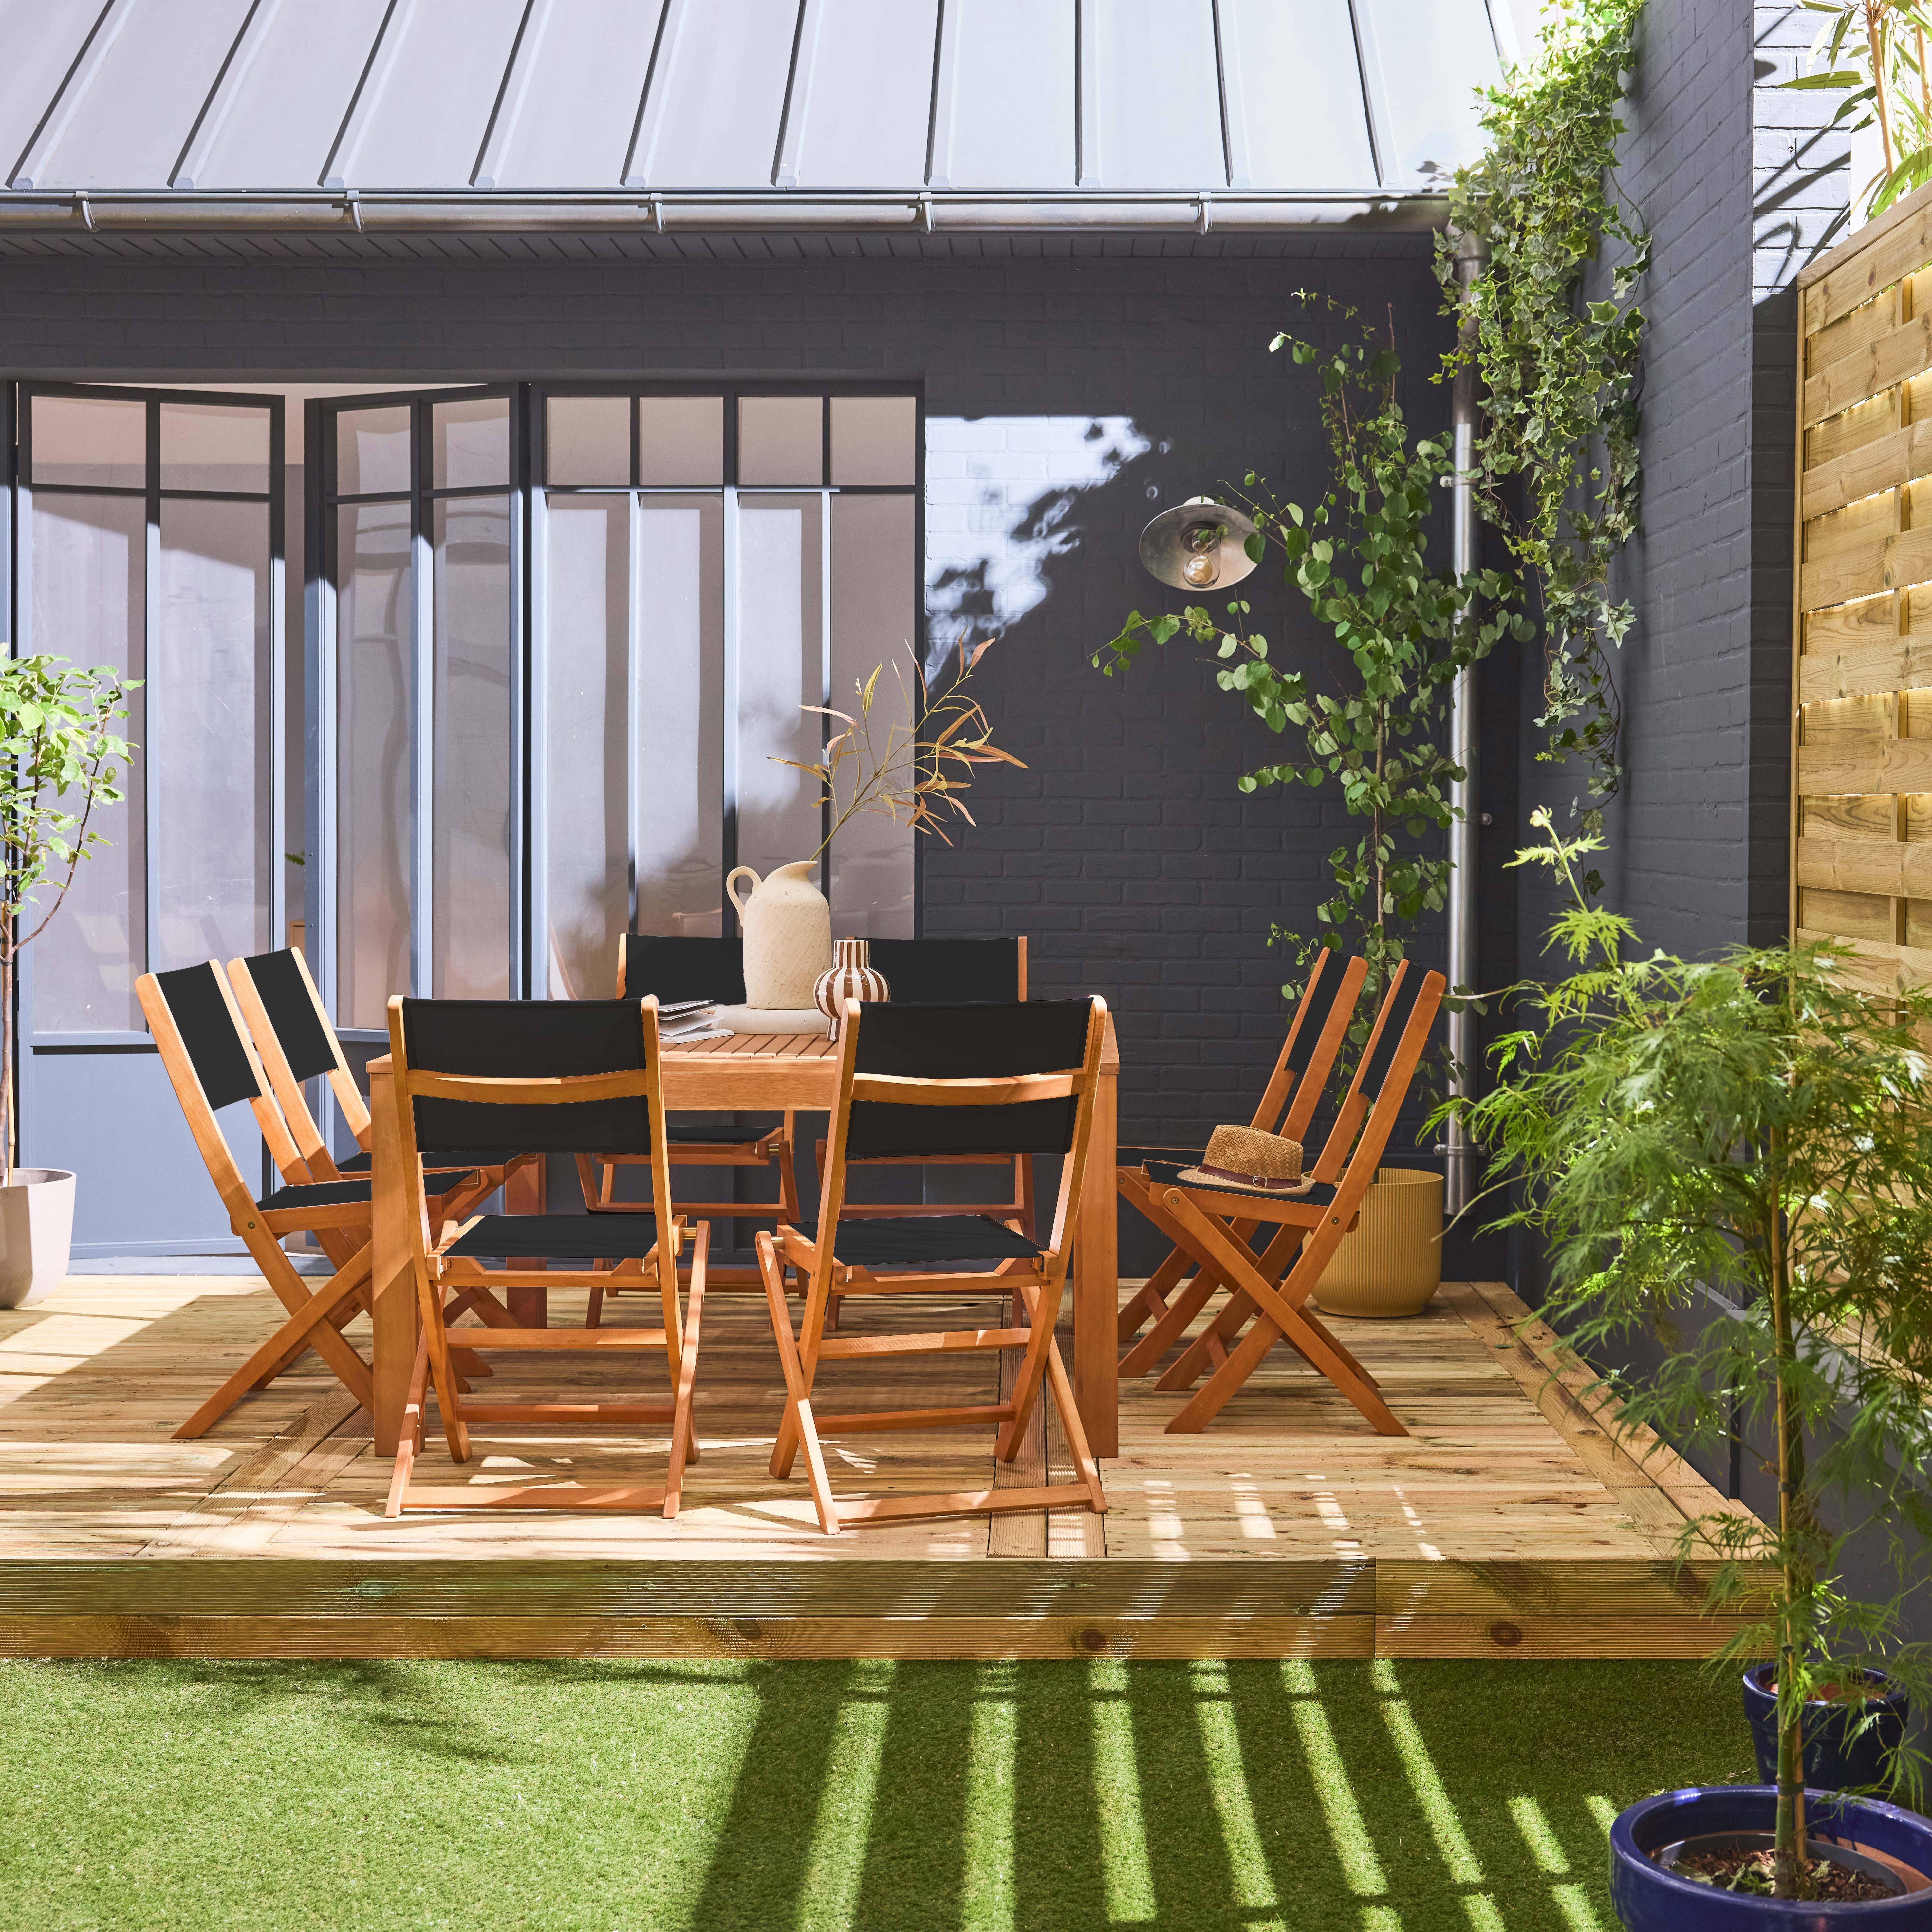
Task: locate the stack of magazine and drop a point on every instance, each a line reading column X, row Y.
column 683, row 1021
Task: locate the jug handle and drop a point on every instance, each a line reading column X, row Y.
column 731, row 886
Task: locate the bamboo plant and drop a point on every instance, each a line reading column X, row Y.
column 61, row 759
column 1737, row 1156
column 1874, row 53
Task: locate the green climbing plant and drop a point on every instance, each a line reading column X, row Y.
column 1359, row 556
column 1555, row 468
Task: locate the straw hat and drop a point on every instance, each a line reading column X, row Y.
column 1245, row 1158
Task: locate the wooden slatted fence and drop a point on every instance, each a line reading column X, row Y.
column 1861, row 682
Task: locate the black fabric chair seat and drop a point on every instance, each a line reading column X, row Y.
column 315, row 1194
column 889, row 1242
column 557, row 1237
column 1167, row 1174
column 439, row 1163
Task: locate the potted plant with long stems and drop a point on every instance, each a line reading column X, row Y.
column 61, row 759
column 1735, row 1156
column 905, row 752
column 1406, row 630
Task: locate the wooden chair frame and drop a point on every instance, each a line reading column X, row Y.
column 1035, row 1288
column 597, row 1174
column 315, row 1316
column 1287, row 1106
column 471, row 1286
column 1268, row 1294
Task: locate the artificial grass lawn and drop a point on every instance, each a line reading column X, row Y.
column 643, row 1797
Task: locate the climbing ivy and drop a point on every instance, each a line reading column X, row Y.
column 1556, row 449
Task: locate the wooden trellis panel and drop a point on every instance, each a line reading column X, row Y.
column 1862, row 676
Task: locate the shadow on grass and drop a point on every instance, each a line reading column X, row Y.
column 1042, row 1798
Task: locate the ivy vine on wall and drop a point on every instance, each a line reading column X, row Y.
column 1556, row 446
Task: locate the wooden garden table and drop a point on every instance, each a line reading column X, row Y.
column 755, row 1073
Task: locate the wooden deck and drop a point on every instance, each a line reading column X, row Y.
column 1509, row 1522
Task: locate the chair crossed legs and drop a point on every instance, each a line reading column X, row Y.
column 1314, row 1036
column 983, row 1078
column 1267, row 1294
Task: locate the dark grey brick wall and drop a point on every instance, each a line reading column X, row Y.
column 1124, row 850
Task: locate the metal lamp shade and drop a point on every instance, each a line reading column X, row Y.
column 1201, row 534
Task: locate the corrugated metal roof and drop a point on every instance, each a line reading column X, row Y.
column 760, row 112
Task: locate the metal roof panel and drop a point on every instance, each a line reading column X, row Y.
column 588, row 61
column 1157, row 91
column 1295, row 91
column 42, row 43
column 718, row 95
column 865, row 118
column 1006, row 105
column 1427, row 58
column 132, row 97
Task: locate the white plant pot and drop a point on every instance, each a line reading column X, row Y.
column 787, row 933
column 36, row 1234
column 1391, row 1264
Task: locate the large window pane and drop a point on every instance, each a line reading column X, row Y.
column 207, row 446
column 209, row 733
column 90, row 439
column 780, row 667
column 374, row 820
column 681, row 441
column 587, row 439
column 469, row 913
column 873, row 624
column 781, row 439
column 586, row 861
column 87, row 559
column 469, row 443
column 679, row 711
column 372, row 452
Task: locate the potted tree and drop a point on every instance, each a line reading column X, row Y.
column 1737, row 1156
column 61, row 758
column 1375, row 731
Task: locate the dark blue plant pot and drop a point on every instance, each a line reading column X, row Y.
column 1649, row 1899
column 1831, row 1762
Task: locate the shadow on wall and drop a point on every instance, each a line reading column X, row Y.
column 1000, row 492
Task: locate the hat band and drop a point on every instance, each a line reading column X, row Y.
column 1261, row 1180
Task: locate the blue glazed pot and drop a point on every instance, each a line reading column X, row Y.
column 1831, row 1764
column 1649, row 1899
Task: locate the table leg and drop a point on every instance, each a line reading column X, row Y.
column 1096, row 1275
column 394, row 1325
column 526, row 1192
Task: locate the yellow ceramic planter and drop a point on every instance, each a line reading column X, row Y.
column 1392, row 1263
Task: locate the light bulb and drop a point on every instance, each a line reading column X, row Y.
column 1203, row 569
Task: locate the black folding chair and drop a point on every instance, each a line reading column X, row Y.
column 942, row 1081
column 669, row 971
column 205, row 1050
column 561, row 1078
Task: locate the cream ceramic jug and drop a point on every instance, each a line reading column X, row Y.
column 787, row 933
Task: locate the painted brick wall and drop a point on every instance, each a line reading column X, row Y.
column 1124, row 850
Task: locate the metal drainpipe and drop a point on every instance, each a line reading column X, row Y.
column 1465, row 833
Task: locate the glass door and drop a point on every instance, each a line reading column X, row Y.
column 416, row 668
column 150, row 538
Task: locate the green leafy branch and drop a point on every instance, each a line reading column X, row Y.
column 1873, row 52
column 1359, row 556
column 1556, row 470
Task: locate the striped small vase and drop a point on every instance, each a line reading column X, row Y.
column 851, row 978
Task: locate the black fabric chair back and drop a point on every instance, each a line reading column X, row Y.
column 1320, row 1005
column 953, row 971
column 684, row 969
column 979, row 1041
column 284, row 995
column 206, row 1024
column 525, row 1039
column 1398, row 1006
